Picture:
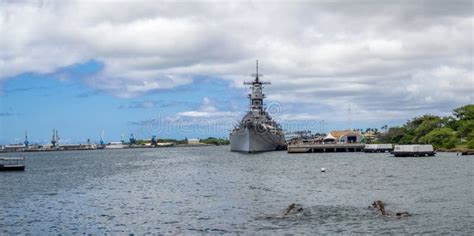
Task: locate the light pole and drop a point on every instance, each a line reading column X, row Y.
column 321, row 127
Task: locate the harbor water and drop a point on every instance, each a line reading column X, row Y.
column 196, row 190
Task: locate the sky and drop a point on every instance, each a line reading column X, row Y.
column 176, row 69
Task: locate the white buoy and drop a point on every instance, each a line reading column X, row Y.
column 323, row 170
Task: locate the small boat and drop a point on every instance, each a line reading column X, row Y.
column 12, row 163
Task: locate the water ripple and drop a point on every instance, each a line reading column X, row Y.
column 209, row 190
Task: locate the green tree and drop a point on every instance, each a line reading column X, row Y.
column 393, row 135
column 215, row 141
column 440, row 138
column 470, row 144
column 465, row 112
column 407, row 139
column 421, row 126
column 466, row 129
column 439, row 131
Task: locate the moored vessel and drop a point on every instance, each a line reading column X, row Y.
column 257, row 131
column 12, row 163
column 413, row 150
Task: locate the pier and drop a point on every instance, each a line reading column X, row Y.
column 341, row 147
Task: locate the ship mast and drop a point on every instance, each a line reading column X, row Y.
column 257, row 96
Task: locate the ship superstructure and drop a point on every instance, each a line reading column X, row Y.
column 257, row 131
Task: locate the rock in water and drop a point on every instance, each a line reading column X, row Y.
column 402, row 214
column 293, row 209
column 380, row 207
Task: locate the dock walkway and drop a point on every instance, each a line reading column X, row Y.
column 342, row 147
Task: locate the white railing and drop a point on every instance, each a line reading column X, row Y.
column 7, row 161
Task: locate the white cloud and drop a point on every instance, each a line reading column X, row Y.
column 391, row 58
column 207, row 110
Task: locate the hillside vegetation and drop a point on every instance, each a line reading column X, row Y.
column 448, row 132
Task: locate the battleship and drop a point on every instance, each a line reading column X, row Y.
column 257, row 131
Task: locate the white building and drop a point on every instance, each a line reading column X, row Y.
column 193, row 141
column 345, row 136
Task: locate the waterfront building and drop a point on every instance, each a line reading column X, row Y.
column 20, row 147
column 344, row 136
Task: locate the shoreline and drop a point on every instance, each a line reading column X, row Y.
column 454, row 150
column 133, row 147
column 460, row 150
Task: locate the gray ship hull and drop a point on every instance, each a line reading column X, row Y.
column 250, row 140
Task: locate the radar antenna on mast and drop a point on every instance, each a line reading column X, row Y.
column 257, row 77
